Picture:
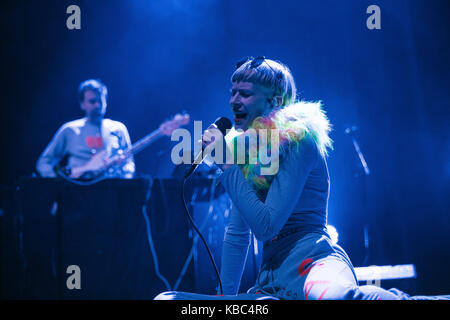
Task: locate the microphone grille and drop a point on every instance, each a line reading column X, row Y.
column 223, row 124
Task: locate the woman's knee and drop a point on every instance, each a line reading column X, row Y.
column 326, row 290
column 369, row 292
column 328, row 279
column 168, row 295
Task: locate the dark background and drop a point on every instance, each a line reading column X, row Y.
column 161, row 57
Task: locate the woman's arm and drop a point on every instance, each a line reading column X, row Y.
column 234, row 252
column 266, row 219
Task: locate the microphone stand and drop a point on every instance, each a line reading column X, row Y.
column 350, row 132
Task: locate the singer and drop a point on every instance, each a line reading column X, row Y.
column 286, row 210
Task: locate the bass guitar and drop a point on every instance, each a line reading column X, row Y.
column 100, row 164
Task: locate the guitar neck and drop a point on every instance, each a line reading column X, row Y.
column 100, row 165
column 135, row 148
column 143, row 143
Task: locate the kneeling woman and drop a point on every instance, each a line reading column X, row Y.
column 286, row 209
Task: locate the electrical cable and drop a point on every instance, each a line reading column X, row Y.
column 189, row 257
column 195, row 240
column 150, row 240
column 201, row 237
column 144, row 213
column 78, row 182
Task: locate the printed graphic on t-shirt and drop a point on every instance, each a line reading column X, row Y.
column 94, row 142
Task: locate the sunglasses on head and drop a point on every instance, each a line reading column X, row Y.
column 255, row 63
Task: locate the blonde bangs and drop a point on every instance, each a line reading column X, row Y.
column 270, row 74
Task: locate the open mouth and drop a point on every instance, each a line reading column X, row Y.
column 238, row 117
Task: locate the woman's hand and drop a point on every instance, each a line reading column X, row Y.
column 210, row 141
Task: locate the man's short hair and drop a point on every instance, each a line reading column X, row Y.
column 92, row 84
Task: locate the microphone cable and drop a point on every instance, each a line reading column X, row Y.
column 222, row 124
column 201, row 237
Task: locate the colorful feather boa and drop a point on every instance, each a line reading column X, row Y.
column 292, row 123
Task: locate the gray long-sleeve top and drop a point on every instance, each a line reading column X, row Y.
column 297, row 198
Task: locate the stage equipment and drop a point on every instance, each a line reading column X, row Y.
column 129, row 238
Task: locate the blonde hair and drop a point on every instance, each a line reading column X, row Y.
column 270, row 74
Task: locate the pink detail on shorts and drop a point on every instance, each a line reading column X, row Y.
column 310, row 284
column 315, row 267
column 323, row 293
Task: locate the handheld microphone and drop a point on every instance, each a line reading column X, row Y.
column 223, row 124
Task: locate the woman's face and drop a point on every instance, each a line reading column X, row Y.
column 249, row 101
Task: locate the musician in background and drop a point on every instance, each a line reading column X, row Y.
column 83, row 147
